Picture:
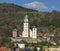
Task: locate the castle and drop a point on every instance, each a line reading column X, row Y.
column 27, row 33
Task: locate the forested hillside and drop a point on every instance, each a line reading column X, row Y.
column 11, row 16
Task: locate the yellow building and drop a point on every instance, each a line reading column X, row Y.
column 53, row 48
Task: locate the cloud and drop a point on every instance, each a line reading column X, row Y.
column 35, row 5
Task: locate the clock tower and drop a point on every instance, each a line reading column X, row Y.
column 25, row 27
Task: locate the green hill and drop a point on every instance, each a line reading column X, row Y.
column 11, row 16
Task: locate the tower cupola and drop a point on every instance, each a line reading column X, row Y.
column 26, row 18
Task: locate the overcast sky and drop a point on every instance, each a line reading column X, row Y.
column 41, row 5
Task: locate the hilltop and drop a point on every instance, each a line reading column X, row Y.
column 6, row 7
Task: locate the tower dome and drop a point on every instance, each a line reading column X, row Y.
column 26, row 18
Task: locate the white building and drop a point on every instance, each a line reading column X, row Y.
column 22, row 44
column 34, row 33
column 25, row 27
column 53, row 48
column 28, row 32
column 31, row 33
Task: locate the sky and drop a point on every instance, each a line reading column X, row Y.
column 40, row 5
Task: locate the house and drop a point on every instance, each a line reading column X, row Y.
column 46, row 37
column 22, row 44
column 5, row 49
column 53, row 48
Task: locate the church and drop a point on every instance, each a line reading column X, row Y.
column 27, row 33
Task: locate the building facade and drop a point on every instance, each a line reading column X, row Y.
column 28, row 32
column 25, row 32
column 53, row 48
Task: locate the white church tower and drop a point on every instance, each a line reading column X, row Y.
column 34, row 33
column 25, row 27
